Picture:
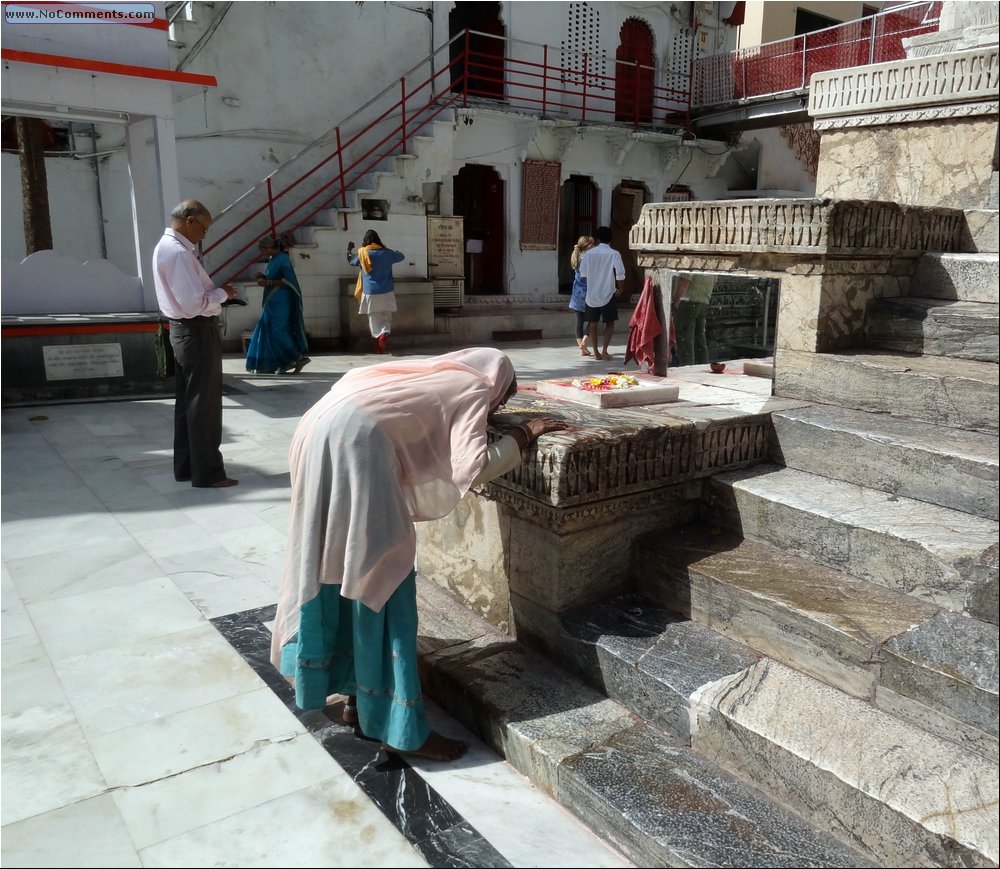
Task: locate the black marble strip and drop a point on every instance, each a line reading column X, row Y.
column 430, row 823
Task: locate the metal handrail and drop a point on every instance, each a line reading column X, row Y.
column 574, row 87
column 767, row 69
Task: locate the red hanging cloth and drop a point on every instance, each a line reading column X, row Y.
column 643, row 328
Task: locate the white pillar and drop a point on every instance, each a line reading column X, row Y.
column 152, row 158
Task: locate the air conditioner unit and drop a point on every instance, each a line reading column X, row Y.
column 449, row 292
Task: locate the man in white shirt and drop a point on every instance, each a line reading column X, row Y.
column 186, row 296
column 604, row 270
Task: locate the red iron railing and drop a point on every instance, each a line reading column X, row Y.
column 471, row 69
column 476, row 68
column 788, row 64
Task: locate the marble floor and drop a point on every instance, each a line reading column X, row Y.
column 141, row 723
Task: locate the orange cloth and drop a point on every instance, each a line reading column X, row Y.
column 643, row 328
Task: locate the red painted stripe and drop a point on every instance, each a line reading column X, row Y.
column 88, row 65
column 88, row 329
column 154, row 24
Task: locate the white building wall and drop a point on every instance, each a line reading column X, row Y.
column 75, row 231
column 290, row 71
column 296, row 70
column 780, row 169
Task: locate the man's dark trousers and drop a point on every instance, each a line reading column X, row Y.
column 198, row 406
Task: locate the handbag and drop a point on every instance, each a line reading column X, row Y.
column 164, row 352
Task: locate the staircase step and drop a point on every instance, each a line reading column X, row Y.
column 949, row 655
column 655, row 799
column 903, row 795
column 967, row 277
column 932, row 553
column 965, row 330
column 961, row 393
column 647, row 658
column 863, row 639
column 945, row 466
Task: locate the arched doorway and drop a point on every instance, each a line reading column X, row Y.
column 634, row 62
column 480, row 74
column 479, row 197
column 577, row 216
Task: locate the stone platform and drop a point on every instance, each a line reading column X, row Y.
column 558, row 531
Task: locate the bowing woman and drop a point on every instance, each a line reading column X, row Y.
column 389, row 445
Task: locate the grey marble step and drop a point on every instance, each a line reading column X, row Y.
column 652, row 797
column 965, row 330
column 903, row 795
column 934, row 669
column 646, row 657
column 932, row 553
column 946, row 466
column 967, row 277
column 961, row 393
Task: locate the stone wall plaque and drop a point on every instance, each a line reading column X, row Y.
column 84, row 361
column 540, row 205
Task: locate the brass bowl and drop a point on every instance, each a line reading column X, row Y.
column 717, row 367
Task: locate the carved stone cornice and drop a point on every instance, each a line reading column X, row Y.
column 805, row 227
column 909, row 116
column 562, row 520
column 582, row 469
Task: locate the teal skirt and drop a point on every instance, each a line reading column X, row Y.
column 343, row 647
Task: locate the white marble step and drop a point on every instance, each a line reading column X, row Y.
column 961, row 393
column 964, row 330
column 967, row 277
column 932, row 553
column 877, row 783
column 941, row 465
column 935, row 669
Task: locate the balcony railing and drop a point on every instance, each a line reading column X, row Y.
column 788, row 64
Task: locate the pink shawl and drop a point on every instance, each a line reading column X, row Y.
column 389, row 445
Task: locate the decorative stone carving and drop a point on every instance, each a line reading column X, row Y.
column 911, row 116
column 804, row 142
column 961, row 77
column 630, row 451
column 798, row 226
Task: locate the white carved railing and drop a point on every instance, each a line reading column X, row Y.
column 967, row 76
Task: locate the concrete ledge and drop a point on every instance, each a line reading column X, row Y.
column 79, row 356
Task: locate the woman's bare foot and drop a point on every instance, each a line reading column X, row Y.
column 584, row 351
column 605, row 355
column 435, row 747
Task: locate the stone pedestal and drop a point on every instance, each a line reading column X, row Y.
column 558, row 532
